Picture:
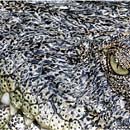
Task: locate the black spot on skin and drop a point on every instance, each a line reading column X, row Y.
column 1, row 37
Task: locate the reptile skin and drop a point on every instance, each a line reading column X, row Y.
column 64, row 66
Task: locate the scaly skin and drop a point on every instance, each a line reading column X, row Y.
column 64, row 66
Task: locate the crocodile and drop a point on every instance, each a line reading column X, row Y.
column 64, row 66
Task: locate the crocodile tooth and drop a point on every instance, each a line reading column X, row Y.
column 28, row 121
column 5, row 99
column 13, row 110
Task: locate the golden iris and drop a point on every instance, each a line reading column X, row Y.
column 116, row 67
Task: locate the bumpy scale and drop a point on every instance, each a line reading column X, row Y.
column 64, row 66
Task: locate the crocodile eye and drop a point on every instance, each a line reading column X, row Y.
column 116, row 67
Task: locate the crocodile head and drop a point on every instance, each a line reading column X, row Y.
column 64, row 67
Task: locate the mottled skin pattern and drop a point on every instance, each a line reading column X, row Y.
column 65, row 66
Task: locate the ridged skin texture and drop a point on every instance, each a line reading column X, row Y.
column 65, row 66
